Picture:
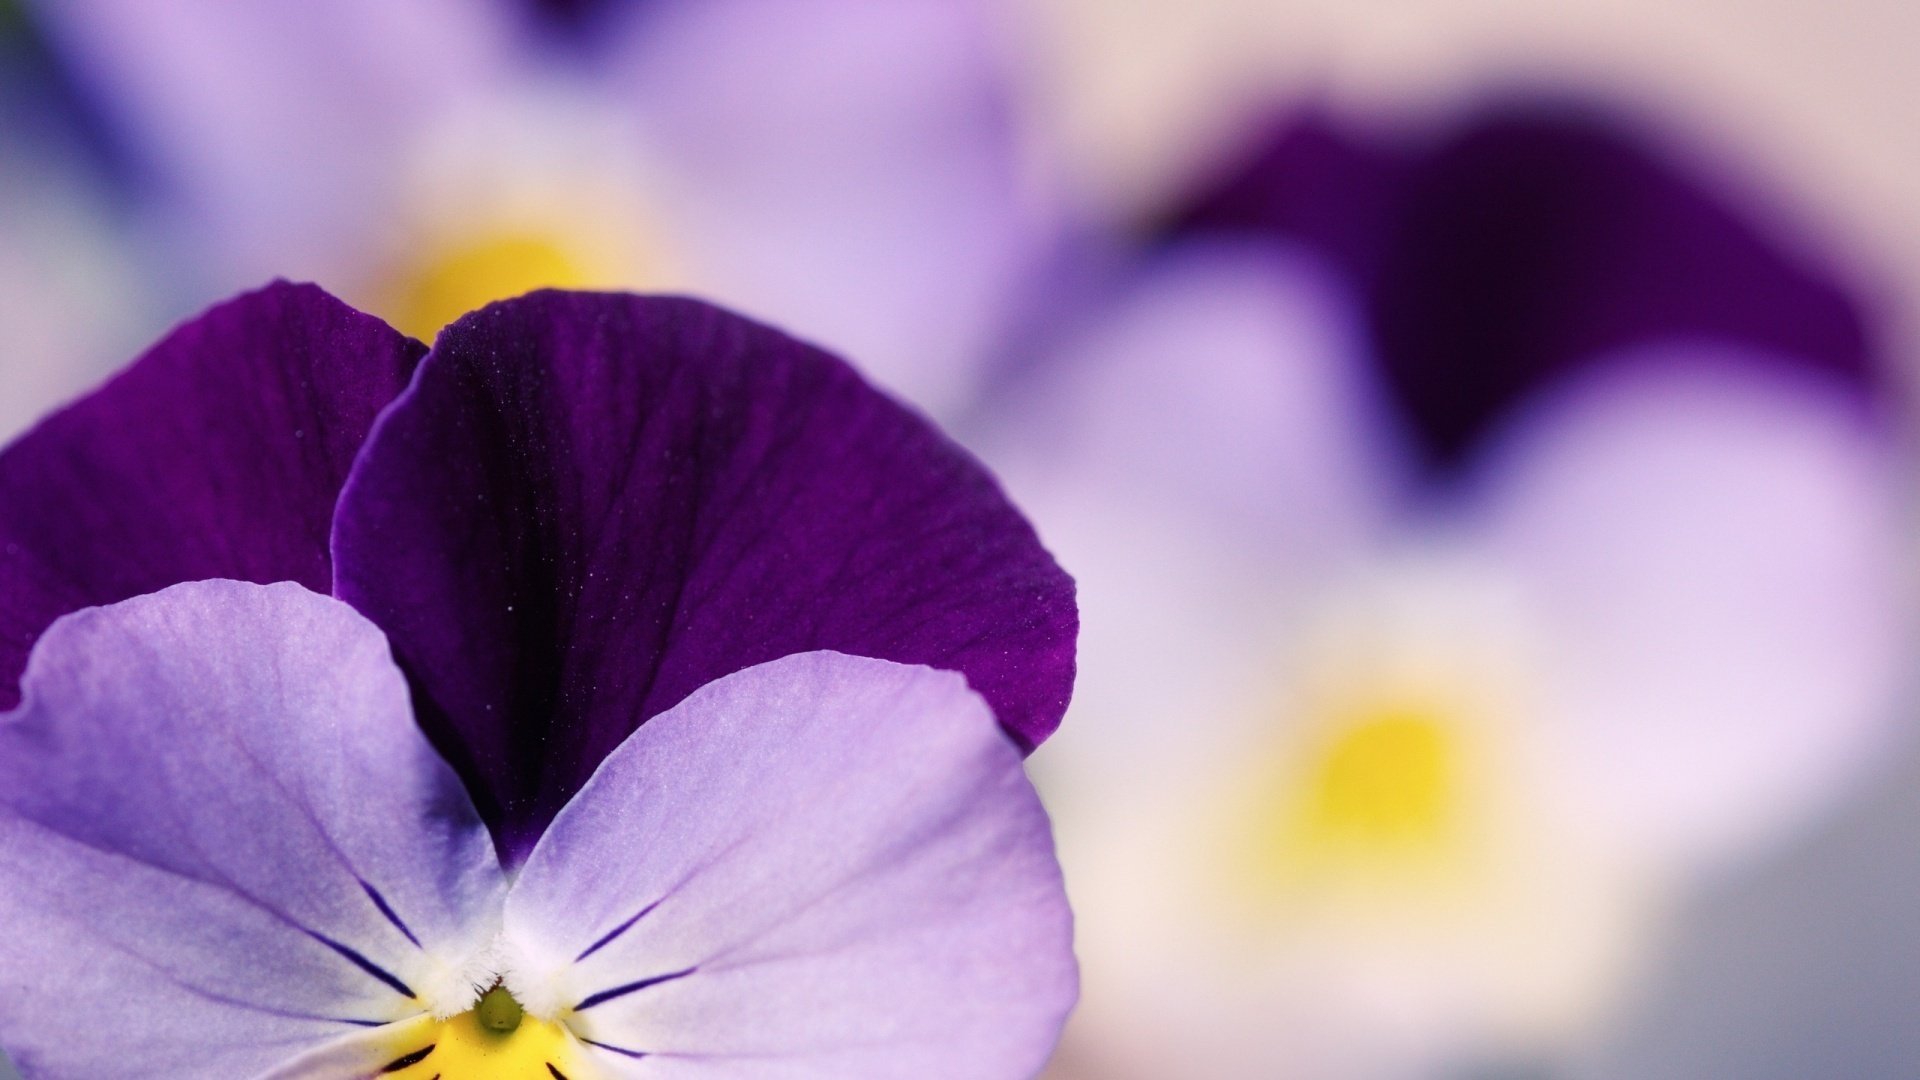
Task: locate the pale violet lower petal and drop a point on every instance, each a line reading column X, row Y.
column 1715, row 547
column 824, row 866
column 223, row 841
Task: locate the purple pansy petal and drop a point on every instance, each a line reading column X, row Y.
column 878, row 140
column 1716, row 546
column 219, row 454
column 222, row 839
column 823, row 866
column 589, row 505
column 363, row 1054
column 1527, row 241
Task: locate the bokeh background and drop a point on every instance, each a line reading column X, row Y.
column 1481, row 432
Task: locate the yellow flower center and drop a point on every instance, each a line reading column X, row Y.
column 494, row 1040
column 449, row 279
column 1388, row 781
column 1381, row 797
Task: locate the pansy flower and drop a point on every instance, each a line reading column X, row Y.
column 1479, row 537
column 851, row 167
column 666, row 718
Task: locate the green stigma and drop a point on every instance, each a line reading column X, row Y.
column 497, row 1011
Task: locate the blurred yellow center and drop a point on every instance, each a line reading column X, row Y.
column 492, row 1041
column 1390, row 780
column 1377, row 797
column 447, row 280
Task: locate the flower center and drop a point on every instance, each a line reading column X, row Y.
column 1396, row 760
column 1378, row 797
column 494, row 1040
column 450, row 278
column 1389, row 780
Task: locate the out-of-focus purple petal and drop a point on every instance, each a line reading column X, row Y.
column 1209, row 447
column 1310, row 181
column 73, row 300
column 852, row 168
column 1225, row 386
column 220, row 453
column 589, row 505
column 1716, row 549
column 823, row 866
column 583, row 20
column 222, row 839
column 275, row 125
column 1527, row 241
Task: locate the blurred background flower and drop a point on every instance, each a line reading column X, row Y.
column 1479, row 431
column 847, row 167
column 73, row 298
column 1478, row 540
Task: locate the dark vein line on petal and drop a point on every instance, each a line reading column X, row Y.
column 685, row 879
column 226, row 883
column 162, row 969
column 622, row 991
column 621, row 1050
column 607, row 938
column 364, row 964
column 387, row 910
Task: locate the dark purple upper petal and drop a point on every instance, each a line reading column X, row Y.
column 1311, row 181
column 219, row 454
column 590, row 505
column 1523, row 242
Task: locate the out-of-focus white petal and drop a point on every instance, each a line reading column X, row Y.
column 1227, row 389
column 276, row 124
column 1204, row 454
column 69, row 304
column 1714, row 547
column 1250, row 953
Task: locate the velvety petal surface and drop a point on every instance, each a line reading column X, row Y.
column 825, row 866
column 224, row 842
column 1716, row 550
column 219, row 454
column 589, row 505
column 1528, row 240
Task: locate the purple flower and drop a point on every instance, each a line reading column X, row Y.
column 850, row 167
column 631, row 555
column 1443, row 626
